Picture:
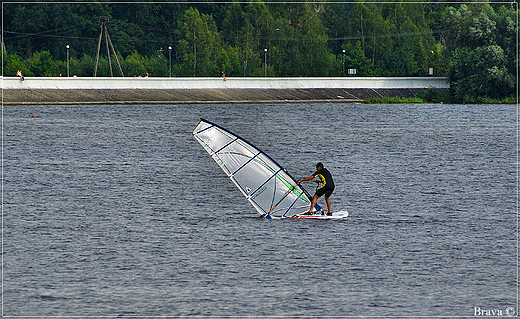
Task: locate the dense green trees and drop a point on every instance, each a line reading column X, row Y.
column 473, row 43
column 200, row 44
column 484, row 59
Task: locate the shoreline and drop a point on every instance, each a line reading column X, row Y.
column 200, row 96
column 72, row 90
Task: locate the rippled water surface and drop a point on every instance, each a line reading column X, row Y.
column 117, row 210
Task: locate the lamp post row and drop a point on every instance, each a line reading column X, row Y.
column 170, row 62
column 68, row 60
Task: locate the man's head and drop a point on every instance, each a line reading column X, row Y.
column 319, row 165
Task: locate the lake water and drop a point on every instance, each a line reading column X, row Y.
column 116, row 210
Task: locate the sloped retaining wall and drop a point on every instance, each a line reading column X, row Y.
column 209, row 90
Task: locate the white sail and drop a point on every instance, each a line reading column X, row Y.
column 267, row 186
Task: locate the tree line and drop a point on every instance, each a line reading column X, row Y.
column 472, row 43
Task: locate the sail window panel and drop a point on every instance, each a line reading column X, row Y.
column 214, row 139
column 295, row 200
column 286, row 183
column 273, row 192
column 293, row 204
column 255, row 173
column 234, row 156
column 266, row 196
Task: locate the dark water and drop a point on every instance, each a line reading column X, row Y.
column 116, row 210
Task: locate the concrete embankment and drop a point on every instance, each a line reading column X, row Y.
column 73, row 90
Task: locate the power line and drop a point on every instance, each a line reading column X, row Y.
column 396, row 35
column 40, row 35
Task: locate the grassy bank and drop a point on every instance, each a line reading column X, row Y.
column 393, row 100
column 417, row 100
column 432, row 95
column 435, row 96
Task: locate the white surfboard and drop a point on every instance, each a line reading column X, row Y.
column 335, row 215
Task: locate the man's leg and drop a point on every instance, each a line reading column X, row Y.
column 313, row 203
column 327, row 200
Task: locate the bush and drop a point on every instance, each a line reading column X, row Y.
column 432, row 95
column 393, row 100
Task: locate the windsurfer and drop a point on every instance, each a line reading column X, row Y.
column 326, row 188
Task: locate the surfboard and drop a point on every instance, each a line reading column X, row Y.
column 335, row 215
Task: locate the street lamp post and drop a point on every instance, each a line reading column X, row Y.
column 68, row 72
column 343, row 71
column 430, row 70
column 265, row 62
column 170, row 48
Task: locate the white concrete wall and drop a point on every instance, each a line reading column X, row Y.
column 219, row 83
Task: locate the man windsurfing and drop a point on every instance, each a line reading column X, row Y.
column 326, row 188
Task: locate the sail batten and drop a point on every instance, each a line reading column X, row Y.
column 223, row 147
column 256, row 190
column 263, row 182
column 252, row 158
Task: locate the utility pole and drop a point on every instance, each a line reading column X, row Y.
column 108, row 41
